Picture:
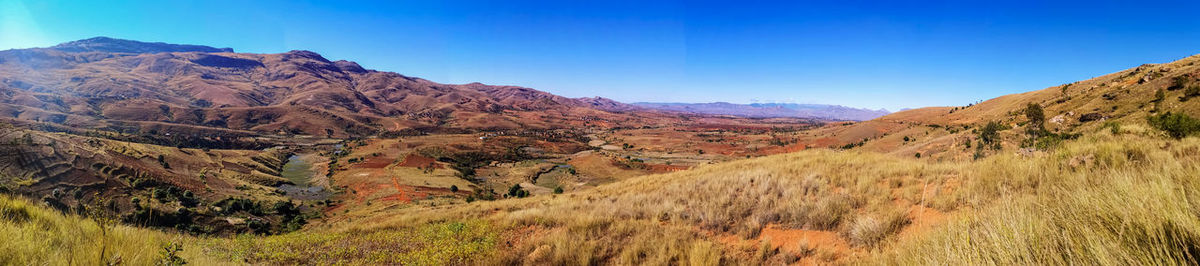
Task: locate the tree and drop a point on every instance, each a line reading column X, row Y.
column 1037, row 120
column 163, row 161
column 990, row 134
column 1159, row 96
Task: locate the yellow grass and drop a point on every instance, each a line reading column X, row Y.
column 34, row 235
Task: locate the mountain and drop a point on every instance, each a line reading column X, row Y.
column 762, row 110
column 124, row 85
column 110, row 45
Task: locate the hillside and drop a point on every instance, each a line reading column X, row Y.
column 952, row 133
column 124, row 85
column 765, row 110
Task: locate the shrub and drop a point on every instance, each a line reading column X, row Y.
column 517, row 191
column 1190, row 92
column 558, row 190
column 1178, row 83
column 169, row 255
column 160, row 195
column 163, row 161
column 990, row 134
column 1175, row 124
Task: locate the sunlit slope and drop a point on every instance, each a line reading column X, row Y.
column 942, row 132
column 36, row 235
column 1074, row 204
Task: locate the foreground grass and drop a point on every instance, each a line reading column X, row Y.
column 1136, row 202
column 35, row 235
column 430, row 244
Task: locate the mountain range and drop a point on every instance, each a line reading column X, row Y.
column 130, row 85
column 764, row 110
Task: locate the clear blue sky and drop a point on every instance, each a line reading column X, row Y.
column 875, row 54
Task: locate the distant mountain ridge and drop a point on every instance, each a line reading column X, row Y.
column 128, row 85
column 111, row 45
column 763, row 110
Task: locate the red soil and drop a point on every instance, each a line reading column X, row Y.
column 415, row 160
column 406, row 193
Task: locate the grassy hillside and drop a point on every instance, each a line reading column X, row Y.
column 36, row 235
column 1105, row 198
column 947, row 133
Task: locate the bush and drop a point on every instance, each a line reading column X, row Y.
column 1190, row 92
column 1175, row 124
column 990, row 134
column 517, row 192
column 1178, row 83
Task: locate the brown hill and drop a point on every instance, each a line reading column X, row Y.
column 109, row 83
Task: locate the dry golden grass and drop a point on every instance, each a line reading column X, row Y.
column 1111, row 201
column 35, row 235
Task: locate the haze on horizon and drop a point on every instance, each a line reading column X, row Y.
column 861, row 53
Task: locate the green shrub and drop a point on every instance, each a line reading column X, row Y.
column 1178, row 83
column 1175, row 124
column 1190, row 92
column 990, row 134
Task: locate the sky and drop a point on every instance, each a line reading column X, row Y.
column 867, row 54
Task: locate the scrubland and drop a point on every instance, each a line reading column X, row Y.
column 1123, row 197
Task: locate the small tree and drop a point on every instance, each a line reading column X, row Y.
column 1037, row 120
column 1159, row 96
column 990, row 134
